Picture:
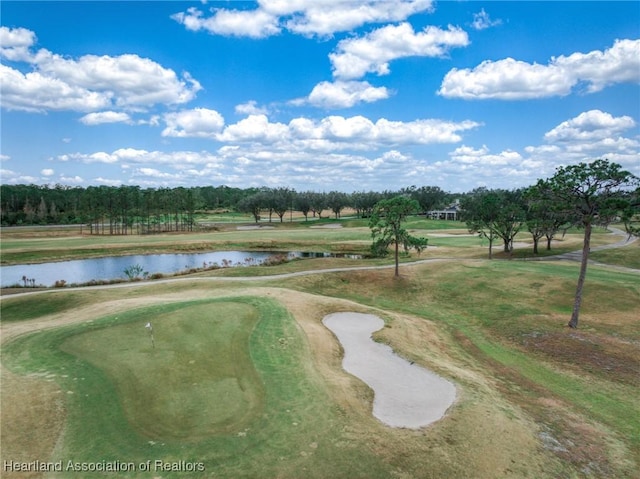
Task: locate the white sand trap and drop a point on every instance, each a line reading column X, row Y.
column 327, row 226
column 406, row 395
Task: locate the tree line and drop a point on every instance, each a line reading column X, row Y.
column 113, row 209
column 116, row 210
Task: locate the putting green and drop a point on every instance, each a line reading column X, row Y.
column 194, row 380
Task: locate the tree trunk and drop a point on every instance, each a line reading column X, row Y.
column 535, row 244
column 549, row 238
column 583, row 273
column 397, row 268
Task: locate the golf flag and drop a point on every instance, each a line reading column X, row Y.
column 150, row 329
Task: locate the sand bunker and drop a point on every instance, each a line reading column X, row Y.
column 328, row 226
column 406, row 395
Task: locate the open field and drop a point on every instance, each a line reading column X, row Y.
column 243, row 380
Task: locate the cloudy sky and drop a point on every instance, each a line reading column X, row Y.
column 317, row 95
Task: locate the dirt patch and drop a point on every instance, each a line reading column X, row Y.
column 590, row 353
column 569, row 436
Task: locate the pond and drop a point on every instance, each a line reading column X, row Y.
column 113, row 267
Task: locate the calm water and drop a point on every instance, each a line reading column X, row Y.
column 85, row 270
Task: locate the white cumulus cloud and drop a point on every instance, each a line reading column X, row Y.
column 590, row 125
column 15, row 43
column 198, row 123
column 242, row 23
column 482, row 21
column 36, row 92
column 254, row 128
column 250, row 108
column 98, row 118
column 345, row 94
column 88, row 83
column 329, row 133
column 355, row 57
column 325, row 17
column 510, row 79
column 309, row 18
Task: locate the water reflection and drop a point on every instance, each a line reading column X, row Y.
column 113, row 267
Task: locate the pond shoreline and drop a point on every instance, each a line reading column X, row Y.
column 126, row 268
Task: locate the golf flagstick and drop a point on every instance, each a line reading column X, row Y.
column 150, row 329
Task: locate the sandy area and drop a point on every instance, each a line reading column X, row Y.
column 328, row 225
column 406, row 395
column 254, row 227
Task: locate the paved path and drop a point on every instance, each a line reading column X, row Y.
column 625, row 240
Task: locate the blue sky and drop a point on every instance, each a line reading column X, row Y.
column 316, row 95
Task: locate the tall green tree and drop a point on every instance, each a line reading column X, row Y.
column 252, row 204
column 543, row 217
column 386, row 226
column 318, row 203
column 364, row 202
column 590, row 194
column 337, row 201
column 302, row 202
column 479, row 210
column 282, row 201
column 429, row 197
column 494, row 214
column 631, row 214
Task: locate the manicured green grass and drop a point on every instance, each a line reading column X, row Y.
column 250, row 405
column 195, row 380
column 419, row 222
column 21, row 309
column 627, row 256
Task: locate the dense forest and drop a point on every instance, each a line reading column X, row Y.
column 113, row 210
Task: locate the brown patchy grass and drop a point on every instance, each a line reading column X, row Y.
column 32, row 418
column 589, row 353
